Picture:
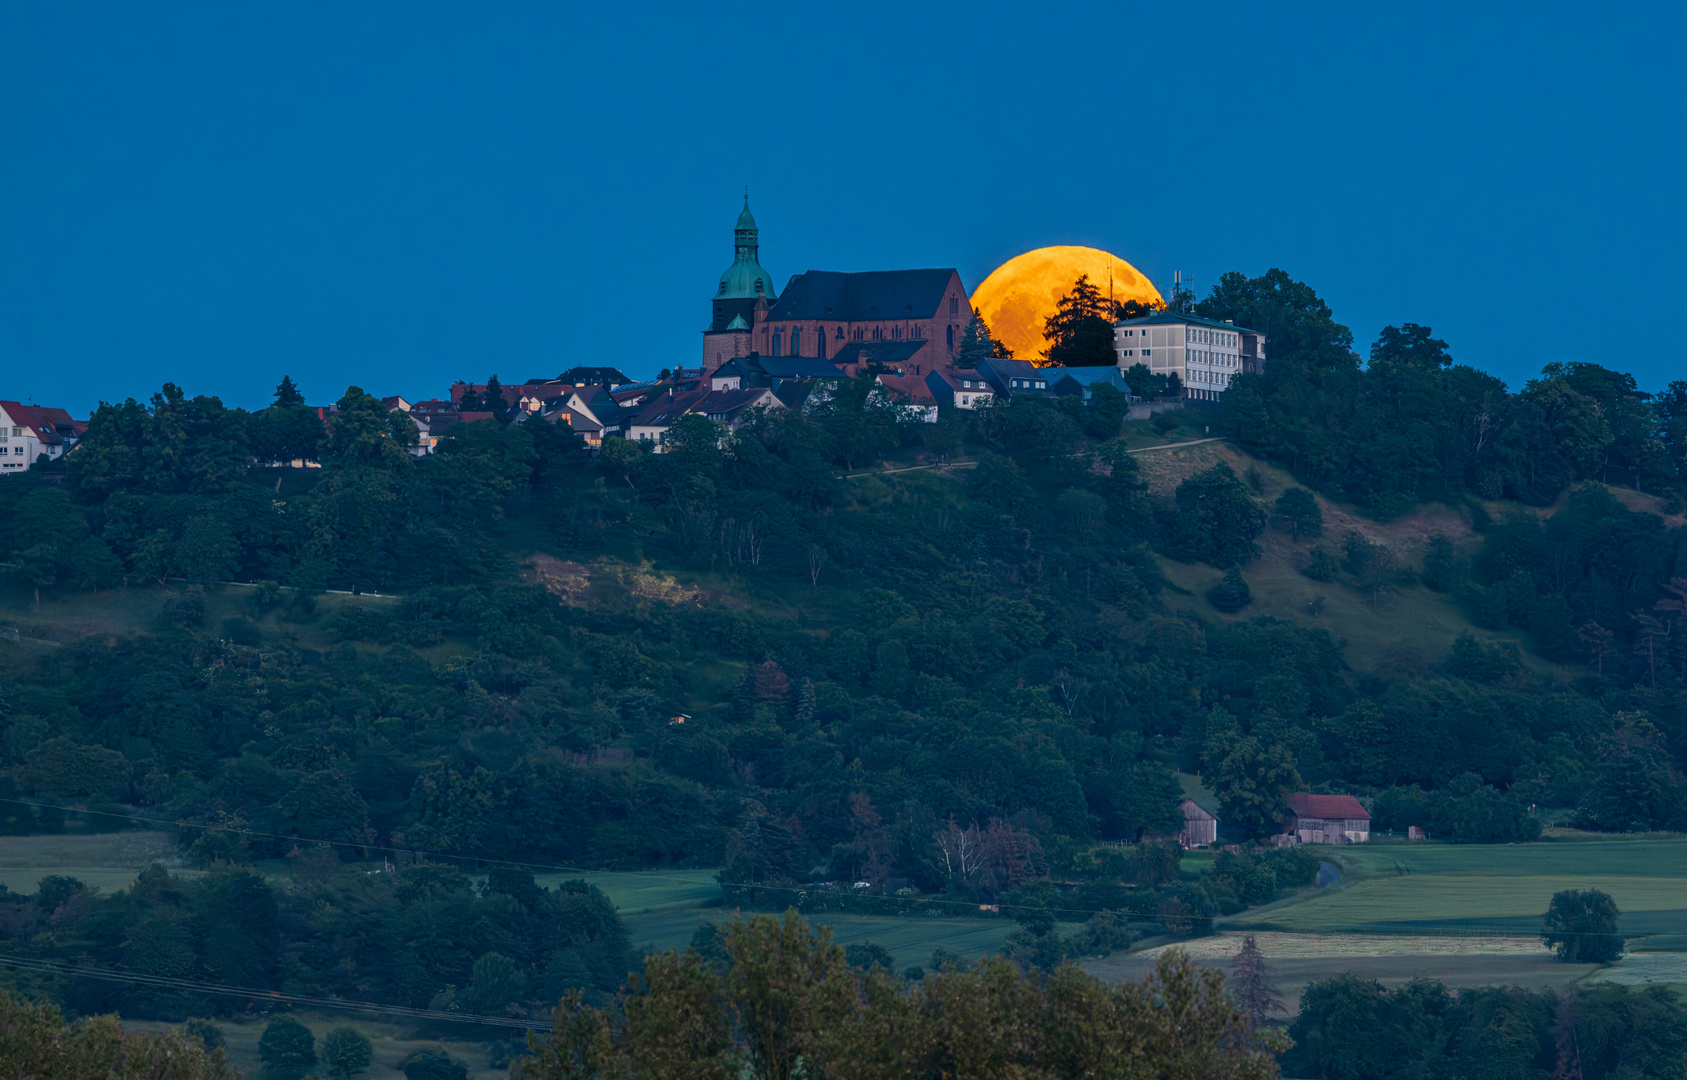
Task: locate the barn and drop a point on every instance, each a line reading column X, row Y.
column 1325, row 819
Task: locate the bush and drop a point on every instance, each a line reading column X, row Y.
column 432, row 1065
column 1231, row 594
column 1323, row 565
column 287, row 1049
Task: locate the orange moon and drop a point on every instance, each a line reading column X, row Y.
column 1022, row 292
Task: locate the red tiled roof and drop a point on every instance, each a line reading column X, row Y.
column 1327, row 806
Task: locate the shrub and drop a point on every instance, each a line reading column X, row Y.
column 1231, row 594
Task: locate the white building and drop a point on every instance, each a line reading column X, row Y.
column 29, row 432
column 1204, row 354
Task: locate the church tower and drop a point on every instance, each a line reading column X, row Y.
column 741, row 287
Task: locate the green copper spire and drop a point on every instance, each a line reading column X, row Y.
column 745, row 279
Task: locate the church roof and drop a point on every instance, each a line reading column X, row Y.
column 746, row 220
column 738, row 322
column 877, row 294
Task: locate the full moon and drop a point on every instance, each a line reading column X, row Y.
column 1022, row 292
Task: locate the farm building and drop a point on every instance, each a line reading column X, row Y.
column 1325, row 819
column 1200, row 825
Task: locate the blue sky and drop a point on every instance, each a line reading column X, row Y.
column 399, row 195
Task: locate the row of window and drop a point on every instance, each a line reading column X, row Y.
column 858, row 334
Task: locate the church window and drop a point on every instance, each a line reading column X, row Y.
column 896, row 332
column 951, row 336
column 776, row 343
column 954, row 305
column 820, row 341
column 796, row 341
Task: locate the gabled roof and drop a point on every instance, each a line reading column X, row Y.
column 877, row 294
column 799, row 367
column 49, row 425
column 1167, row 318
column 1188, row 801
column 1326, row 806
column 953, row 380
column 1089, row 376
column 602, row 376
column 1015, row 369
column 664, row 409
column 877, row 352
column 728, row 402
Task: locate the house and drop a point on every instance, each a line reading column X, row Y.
column 1325, row 819
column 593, row 376
column 1082, row 381
column 1204, row 354
column 773, row 372
column 31, row 432
column 433, row 418
column 1200, row 825
column 1010, row 377
column 960, row 387
column 653, row 419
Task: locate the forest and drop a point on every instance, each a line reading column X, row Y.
column 511, row 655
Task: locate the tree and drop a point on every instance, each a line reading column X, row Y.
column 287, row 395
column 287, row 1049
column 1231, row 594
column 367, row 433
column 1251, row 782
column 1410, row 345
column 1580, row 927
column 346, row 1052
column 35, row 1042
column 977, row 344
column 1080, row 332
column 1251, row 983
column 1297, row 511
column 1217, row 520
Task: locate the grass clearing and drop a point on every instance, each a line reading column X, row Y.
column 1490, row 890
column 664, row 908
column 107, row 861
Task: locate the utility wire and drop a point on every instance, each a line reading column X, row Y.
column 87, row 971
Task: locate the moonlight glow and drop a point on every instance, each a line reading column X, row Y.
column 1025, row 290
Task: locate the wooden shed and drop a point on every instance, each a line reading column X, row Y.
column 1200, row 825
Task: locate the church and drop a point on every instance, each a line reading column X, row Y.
column 911, row 320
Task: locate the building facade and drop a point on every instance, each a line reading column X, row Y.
column 31, row 432
column 821, row 313
column 1325, row 819
column 1204, row 354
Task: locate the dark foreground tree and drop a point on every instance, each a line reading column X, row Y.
column 1580, row 926
column 35, row 1042
column 1251, row 983
column 1080, row 332
column 788, row 1003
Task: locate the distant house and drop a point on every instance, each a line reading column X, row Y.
column 1010, row 377
column 730, row 407
column 773, row 372
column 31, row 432
column 961, row 388
column 1325, row 819
column 1200, row 825
column 593, row 376
column 1082, row 381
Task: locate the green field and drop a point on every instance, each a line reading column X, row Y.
column 1417, row 888
column 107, row 861
column 663, row 908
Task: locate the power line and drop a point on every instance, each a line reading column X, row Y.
column 276, row 996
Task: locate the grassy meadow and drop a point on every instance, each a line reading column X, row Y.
column 1396, row 887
